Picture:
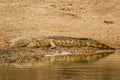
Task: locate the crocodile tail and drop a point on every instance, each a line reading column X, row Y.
column 101, row 46
column 104, row 46
column 93, row 43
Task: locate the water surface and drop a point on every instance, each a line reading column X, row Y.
column 107, row 68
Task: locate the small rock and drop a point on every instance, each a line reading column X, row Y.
column 108, row 22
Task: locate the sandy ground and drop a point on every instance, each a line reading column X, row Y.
column 97, row 19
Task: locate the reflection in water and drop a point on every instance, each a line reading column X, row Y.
column 78, row 58
column 104, row 69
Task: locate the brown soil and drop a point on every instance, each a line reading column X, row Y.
column 97, row 19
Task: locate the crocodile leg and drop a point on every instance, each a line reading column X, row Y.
column 52, row 44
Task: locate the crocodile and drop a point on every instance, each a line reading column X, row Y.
column 55, row 41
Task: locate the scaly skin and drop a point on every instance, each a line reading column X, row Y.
column 57, row 41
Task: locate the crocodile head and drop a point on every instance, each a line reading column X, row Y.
column 20, row 42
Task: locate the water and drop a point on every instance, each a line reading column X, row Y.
column 107, row 68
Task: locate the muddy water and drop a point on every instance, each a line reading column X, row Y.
column 107, row 68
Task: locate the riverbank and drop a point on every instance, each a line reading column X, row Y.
column 94, row 19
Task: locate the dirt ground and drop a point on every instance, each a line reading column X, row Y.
column 97, row 19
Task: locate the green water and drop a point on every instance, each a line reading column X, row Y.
column 107, row 68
